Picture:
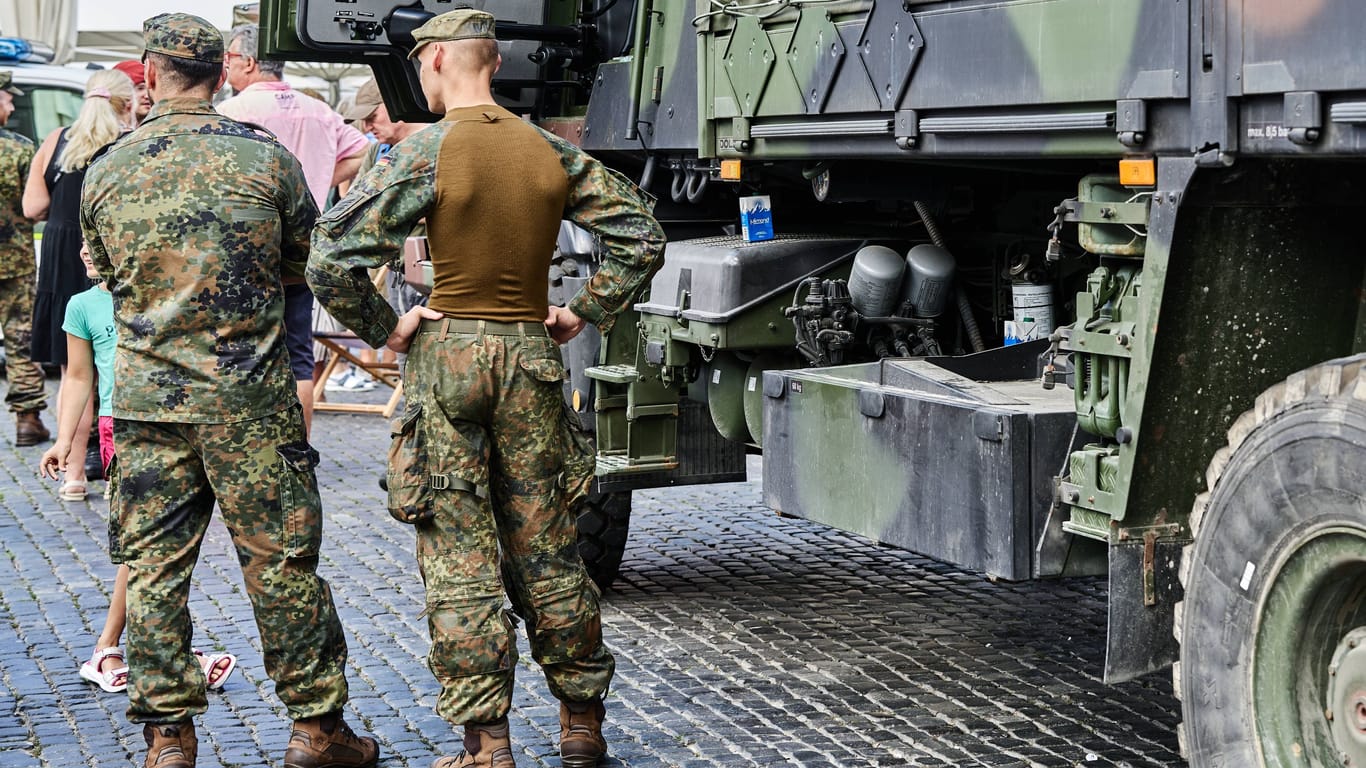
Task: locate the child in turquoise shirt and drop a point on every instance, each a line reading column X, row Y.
column 91, row 341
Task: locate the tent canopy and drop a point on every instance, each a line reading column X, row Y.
column 54, row 23
column 50, row 21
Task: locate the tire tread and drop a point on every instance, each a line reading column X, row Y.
column 1327, row 381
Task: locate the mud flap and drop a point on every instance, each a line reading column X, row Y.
column 1139, row 639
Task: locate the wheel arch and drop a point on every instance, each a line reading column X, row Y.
column 1264, row 278
column 1253, row 272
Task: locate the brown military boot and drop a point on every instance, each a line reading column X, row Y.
column 581, row 741
column 170, row 745
column 328, row 742
column 29, row 429
column 486, row 746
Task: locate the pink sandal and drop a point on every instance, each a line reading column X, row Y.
column 110, row 680
column 218, row 669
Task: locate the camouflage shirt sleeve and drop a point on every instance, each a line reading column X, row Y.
column 366, row 229
column 298, row 213
column 618, row 213
column 99, row 255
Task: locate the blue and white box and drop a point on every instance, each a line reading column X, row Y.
column 756, row 218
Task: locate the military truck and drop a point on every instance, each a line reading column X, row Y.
column 1056, row 287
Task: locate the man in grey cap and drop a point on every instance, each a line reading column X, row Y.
column 369, row 114
column 206, row 413
column 26, row 396
column 484, row 464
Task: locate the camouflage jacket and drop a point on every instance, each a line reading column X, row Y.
column 16, row 231
column 191, row 220
column 367, row 228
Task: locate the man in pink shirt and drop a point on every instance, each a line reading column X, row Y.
column 329, row 150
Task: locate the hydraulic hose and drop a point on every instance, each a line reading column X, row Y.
column 969, row 322
column 647, row 176
column 678, row 190
column 697, row 184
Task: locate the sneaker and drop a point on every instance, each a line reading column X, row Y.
column 337, row 381
column 358, row 382
column 351, row 381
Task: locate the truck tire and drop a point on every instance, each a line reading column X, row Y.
column 604, row 520
column 1273, row 621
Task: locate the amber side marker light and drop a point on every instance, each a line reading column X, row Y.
column 730, row 170
column 1138, row 172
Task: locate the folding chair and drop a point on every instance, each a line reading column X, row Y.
column 336, row 344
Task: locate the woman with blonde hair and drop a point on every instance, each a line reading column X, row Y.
column 53, row 194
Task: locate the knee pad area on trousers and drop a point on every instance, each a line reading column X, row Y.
column 471, row 635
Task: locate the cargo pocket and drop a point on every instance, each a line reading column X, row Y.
column 567, row 623
column 417, row 471
column 300, row 505
column 471, row 635
column 580, row 458
column 410, row 492
column 547, row 369
column 111, row 473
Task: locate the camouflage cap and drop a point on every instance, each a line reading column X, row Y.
column 462, row 24
column 366, row 102
column 7, row 83
column 183, row 36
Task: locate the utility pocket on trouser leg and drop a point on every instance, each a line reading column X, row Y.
column 300, row 504
column 111, row 473
column 565, row 622
column 410, row 491
column 473, row 654
column 428, row 456
column 580, row 459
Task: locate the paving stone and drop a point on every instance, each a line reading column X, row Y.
column 742, row 639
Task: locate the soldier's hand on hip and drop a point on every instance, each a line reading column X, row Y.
column 563, row 324
column 402, row 336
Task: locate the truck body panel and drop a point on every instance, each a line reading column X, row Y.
column 1180, row 180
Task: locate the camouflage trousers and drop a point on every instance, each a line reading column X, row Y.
column 166, row 479
column 480, row 451
column 25, row 379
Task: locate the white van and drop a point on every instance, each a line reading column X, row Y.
column 52, row 95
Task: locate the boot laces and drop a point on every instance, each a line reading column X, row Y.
column 345, row 729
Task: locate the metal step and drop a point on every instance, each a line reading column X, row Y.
column 610, row 465
column 612, row 374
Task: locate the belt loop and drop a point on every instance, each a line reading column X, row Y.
column 445, row 326
column 521, row 331
column 482, row 328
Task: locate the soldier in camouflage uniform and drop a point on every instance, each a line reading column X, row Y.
column 192, row 219
column 26, row 396
column 480, row 458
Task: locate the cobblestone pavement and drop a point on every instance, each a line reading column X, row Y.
column 742, row 639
